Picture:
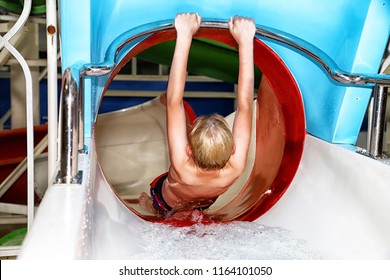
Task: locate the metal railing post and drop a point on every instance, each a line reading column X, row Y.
column 69, row 120
column 80, row 115
column 375, row 147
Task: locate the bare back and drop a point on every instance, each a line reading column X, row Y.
column 191, row 187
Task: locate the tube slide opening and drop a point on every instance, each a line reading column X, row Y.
column 132, row 147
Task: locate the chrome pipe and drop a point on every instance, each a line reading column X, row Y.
column 81, row 116
column 379, row 81
column 323, row 60
column 288, row 40
column 69, row 129
column 96, row 71
column 375, row 147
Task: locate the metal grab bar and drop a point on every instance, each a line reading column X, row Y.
column 69, row 129
column 288, row 40
column 375, row 145
column 69, row 138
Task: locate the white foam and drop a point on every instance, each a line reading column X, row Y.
column 236, row 240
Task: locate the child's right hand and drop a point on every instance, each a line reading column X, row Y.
column 187, row 24
column 242, row 29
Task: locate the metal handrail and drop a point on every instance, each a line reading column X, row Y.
column 69, row 129
column 69, row 145
column 288, row 40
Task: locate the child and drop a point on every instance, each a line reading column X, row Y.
column 209, row 159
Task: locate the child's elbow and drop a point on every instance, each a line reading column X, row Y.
column 174, row 102
column 245, row 109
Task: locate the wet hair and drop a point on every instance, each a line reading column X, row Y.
column 211, row 142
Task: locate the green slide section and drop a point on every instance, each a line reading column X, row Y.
column 14, row 238
column 207, row 58
column 16, row 6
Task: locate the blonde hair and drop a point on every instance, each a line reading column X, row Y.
column 211, row 142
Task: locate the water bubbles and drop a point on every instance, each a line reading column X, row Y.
column 235, row 240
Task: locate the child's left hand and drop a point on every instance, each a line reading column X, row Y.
column 242, row 29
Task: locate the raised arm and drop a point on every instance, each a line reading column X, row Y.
column 243, row 31
column 186, row 25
